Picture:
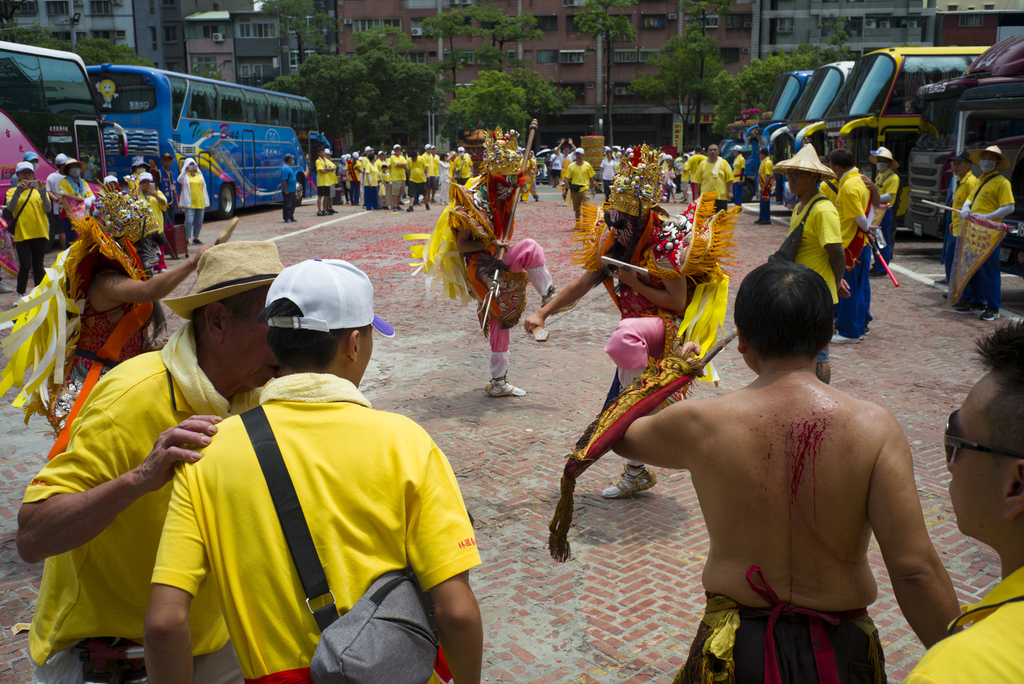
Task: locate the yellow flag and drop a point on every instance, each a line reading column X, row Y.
column 977, row 242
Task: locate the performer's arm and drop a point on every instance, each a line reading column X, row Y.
column 876, row 198
column 837, row 260
column 656, row 439
column 567, row 296
column 672, row 298
column 111, row 289
column 467, row 242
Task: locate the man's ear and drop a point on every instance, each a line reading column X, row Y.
column 352, row 345
column 1013, row 505
column 217, row 316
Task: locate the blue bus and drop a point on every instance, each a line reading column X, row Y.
column 238, row 135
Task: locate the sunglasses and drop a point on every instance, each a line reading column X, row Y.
column 954, row 443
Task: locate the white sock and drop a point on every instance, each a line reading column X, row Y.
column 499, row 364
column 540, row 278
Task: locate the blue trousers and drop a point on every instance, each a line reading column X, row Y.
column 353, row 192
column 853, row 312
column 737, row 193
column 766, row 209
column 370, row 197
column 986, row 285
column 887, row 230
column 949, row 247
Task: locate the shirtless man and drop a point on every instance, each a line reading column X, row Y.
column 793, row 476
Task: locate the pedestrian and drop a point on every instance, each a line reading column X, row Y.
column 577, row 177
column 370, row 179
column 326, row 179
column 691, row 166
column 963, row 188
column 75, row 194
column 739, row 172
column 95, row 512
column 444, row 174
column 556, row 160
column 418, row 165
column 668, row 178
column 608, row 167
column 433, row 173
column 26, row 207
column 193, row 198
column 152, row 240
column 167, row 176
column 846, row 468
column 985, row 456
column 381, row 163
column 531, row 177
column 462, row 167
column 53, row 192
column 992, row 199
column 765, row 178
column 139, row 166
column 821, row 241
column 353, row 168
column 385, row 179
column 399, row 164
column 714, row 175
column 322, row 325
column 888, row 184
column 289, row 185
column 853, row 313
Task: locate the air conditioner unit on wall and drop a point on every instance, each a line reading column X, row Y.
column 218, row 37
column 745, row 51
column 673, row 17
column 570, row 3
column 869, row 23
column 748, row 24
column 417, row 32
column 348, row 22
column 883, row 24
column 620, row 90
column 912, row 23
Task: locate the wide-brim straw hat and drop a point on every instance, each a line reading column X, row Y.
column 805, row 160
column 883, row 153
column 72, row 162
column 1001, row 165
column 226, row 270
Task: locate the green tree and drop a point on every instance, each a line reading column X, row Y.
column 337, row 86
column 95, row 51
column 299, row 18
column 37, row 35
column 543, row 97
column 492, row 100
column 212, row 73
column 596, row 21
column 698, row 11
column 501, row 29
column 391, row 36
column 448, row 26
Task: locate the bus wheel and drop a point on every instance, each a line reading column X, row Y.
column 227, row 201
column 300, row 192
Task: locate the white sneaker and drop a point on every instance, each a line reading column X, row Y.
column 839, row 339
column 500, row 387
column 634, row 479
column 5, row 289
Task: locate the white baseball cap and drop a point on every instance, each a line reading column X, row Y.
column 24, row 166
column 380, row 152
column 607, row 149
column 397, row 147
column 327, row 150
column 60, row 160
column 367, row 149
column 580, row 150
column 111, row 179
column 355, row 155
column 146, row 176
column 332, row 294
column 462, row 149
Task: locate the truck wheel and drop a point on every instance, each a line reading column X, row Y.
column 227, row 201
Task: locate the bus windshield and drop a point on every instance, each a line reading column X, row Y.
column 125, row 93
column 786, row 91
column 941, row 114
column 820, row 93
column 922, row 70
column 866, row 87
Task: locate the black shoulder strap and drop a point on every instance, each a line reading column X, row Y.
column 289, row 511
column 23, row 205
column 831, row 186
column 807, row 214
column 980, row 186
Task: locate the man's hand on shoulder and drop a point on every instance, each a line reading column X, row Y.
column 171, row 447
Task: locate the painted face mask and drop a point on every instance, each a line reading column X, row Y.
column 987, row 165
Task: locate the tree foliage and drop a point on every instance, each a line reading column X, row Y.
column 492, row 100
column 37, row 35
column 499, row 29
column 454, row 23
column 543, row 98
column 596, row 20
column 300, row 19
column 676, row 83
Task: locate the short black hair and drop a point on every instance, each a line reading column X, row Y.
column 1002, row 354
column 288, row 157
column 302, row 349
column 841, row 158
column 784, row 309
column 764, row 151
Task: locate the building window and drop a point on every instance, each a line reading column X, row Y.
column 548, row 22
column 625, row 56
column 570, row 22
column 152, row 6
column 99, row 7
column 990, row 7
column 243, row 70
column 785, row 25
column 652, row 21
column 739, row 21
column 62, row 35
column 167, row 3
column 102, row 34
column 572, row 56
column 170, row 34
column 360, row 25
column 293, row 58
column 527, row 54
column 119, row 35
column 711, row 21
column 547, row 56
column 971, row 20
column 646, row 56
column 417, row 57
column 29, row 7
column 59, row 8
column 511, row 54
column 204, row 64
column 256, row 30
column 729, row 54
column 465, row 56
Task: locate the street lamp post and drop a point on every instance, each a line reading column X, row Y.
column 73, row 22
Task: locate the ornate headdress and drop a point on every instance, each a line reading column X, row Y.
column 501, row 153
column 126, row 214
column 637, row 185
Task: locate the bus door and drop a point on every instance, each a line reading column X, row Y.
column 900, row 141
column 89, row 149
column 248, row 199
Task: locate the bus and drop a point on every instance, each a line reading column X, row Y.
column 238, row 135
column 789, row 89
column 47, row 107
column 929, row 168
column 806, row 123
column 878, row 105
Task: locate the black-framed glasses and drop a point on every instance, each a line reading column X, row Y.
column 954, row 443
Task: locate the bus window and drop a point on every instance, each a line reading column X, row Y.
column 202, row 102
column 866, row 88
column 21, row 88
column 66, row 92
column 278, row 112
column 308, row 116
column 987, row 128
column 129, row 93
column 232, row 103
column 922, row 70
column 179, row 87
column 255, row 108
column 88, row 136
column 295, row 109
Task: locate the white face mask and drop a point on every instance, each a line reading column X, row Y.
column 75, row 172
column 35, row 166
column 882, row 166
column 987, row 165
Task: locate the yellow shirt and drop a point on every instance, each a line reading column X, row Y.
column 32, row 222
column 195, row 190
column 852, row 202
column 964, row 189
column 326, row 172
column 709, row 183
column 464, row 165
column 821, row 228
column 578, row 174
column 989, row 196
column 829, row 189
column 739, row 166
column 397, row 172
column 888, row 183
column 691, row 165
column 67, row 188
column 222, row 524
column 987, row 651
column 435, row 164
column 157, row 205
column 371, row 172
column 102, row 587
column 418, row 169
column 764, row 172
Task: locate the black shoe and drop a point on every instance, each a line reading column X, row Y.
column 990, row 314
column 965, row 307
column 426, row 206
column 876, row 274
column 944, row 281
column 331, row 211
column 409, row 209
column 196, row 241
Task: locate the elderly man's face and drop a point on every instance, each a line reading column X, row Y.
column 713, row 152
column 253, row 362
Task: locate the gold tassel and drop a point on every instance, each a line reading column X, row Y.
column 558, row 539
column 587, row 235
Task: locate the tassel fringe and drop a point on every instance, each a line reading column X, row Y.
column 558, row 538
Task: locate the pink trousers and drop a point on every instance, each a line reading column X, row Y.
column 634, row 340
column 523, row 255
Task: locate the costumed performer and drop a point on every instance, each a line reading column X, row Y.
column 681, row 298
column 468, row 247
column 90, row 313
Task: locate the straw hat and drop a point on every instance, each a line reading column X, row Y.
column 805, row 160
column 226, row 270
column 1001, row 165
column 883, row 154
column 72, row 162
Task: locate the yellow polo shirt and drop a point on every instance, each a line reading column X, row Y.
column 709, row 183
column 372, row 171
column 829, row 189
column 691, row 165
column 222, row 524
column 987, row 651
column 398, row 172
column 435, row 164
column 32, row 222
column 155, row 206
column 852, row 202
column 888, row 183
column 964, row 190
column 578, row 174
column 739, row 166
column 102, row 587
column 765, row 171
column 418, row 169
column 821, row 228
column 326, row 172
column 464, row 164
column 991, row 192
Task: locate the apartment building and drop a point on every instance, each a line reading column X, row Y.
column 73, row 20
column 567, row 57
column 972, row 27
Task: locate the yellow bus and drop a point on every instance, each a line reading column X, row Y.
column 879, row 106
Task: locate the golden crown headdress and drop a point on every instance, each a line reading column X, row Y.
column 501, row 153
column 637, row 185
column 126, row 214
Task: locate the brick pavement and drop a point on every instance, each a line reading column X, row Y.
column 625, row 606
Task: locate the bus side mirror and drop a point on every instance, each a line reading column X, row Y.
column 122, row 140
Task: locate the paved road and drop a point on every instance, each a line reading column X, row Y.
column 625, row 606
